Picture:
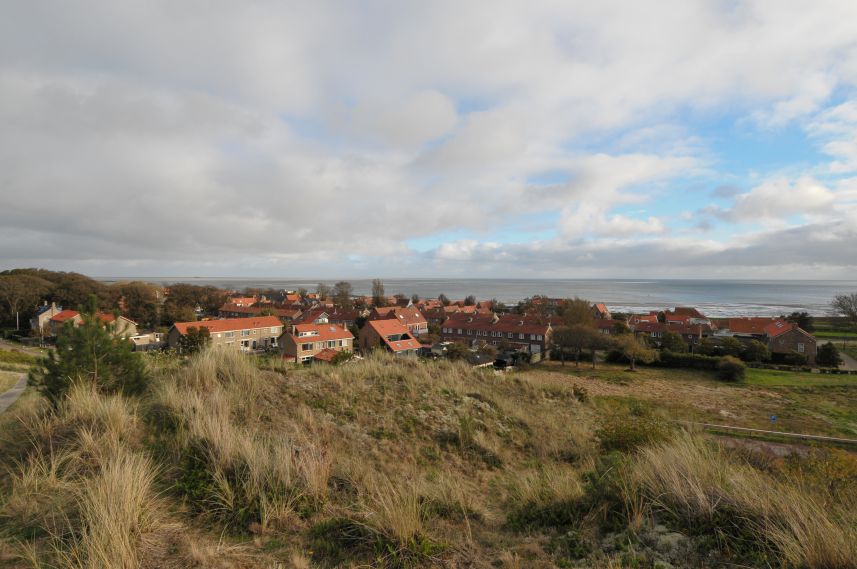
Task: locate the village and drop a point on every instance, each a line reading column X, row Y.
column 330, row 327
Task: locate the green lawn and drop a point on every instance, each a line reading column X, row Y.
column 835, row 334
column 775, row 378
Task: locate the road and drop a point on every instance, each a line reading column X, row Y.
column 13, row 394
column 847, row 361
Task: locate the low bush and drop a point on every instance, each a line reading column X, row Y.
column 626, row 431
column 731, row 369
column 694, row 361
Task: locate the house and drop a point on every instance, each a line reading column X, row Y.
column 39, row 323
column 784, row 338
column 651, row 317
column 148, row 342
column 390, row 335
column 750, row 328
column 410, row 316
column 286, row 314
column 599, row 310
column 120, row 327
column 685, row 315
column 523, row 332
column 693, row 334
column 326, row 315
column 307, row 341
column 245, row 334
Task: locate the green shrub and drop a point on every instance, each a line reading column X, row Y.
column 625, row 432
column 731, row 369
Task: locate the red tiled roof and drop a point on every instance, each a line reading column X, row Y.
column 747, row 325
column 64, row 315
column 410, row 315
column 323, row 332
column 504, row 323
column 778, row 327
column 326, row 355
column 233, row 308
column 230, row 324
column 601, row 307
column 386, row 328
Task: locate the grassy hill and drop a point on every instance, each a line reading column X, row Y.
column 387, row 463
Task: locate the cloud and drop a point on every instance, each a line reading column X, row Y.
column 276, row 139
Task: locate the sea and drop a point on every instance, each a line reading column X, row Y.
column 715, row 298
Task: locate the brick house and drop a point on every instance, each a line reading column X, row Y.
column 390, row 335
column 785, row 338
column 409, row 316
column 286, row 314
column 692, row 334
column 306, row 341
column 521, row 332
column 120, row 327
column 245, row 334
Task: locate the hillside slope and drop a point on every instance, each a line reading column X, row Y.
column 388, row 463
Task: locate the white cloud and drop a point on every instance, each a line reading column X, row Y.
column 779, row 198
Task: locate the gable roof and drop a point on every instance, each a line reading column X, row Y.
column 518, row 323
column 407, row 315
column 230, row 324
column 779, row 327
column 386, row 328
column 64, row 315
column 323, row 332
column 326, row 355
column 752, row 326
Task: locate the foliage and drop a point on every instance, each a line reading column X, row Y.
column 626, row 431
column 196, row 338
column 342, row 293
column 794, row 359
column 444, row 300
column 673, row 342
column 693, row 361
column 469, row 300
column 89, row 352
column 846, row 304
column 756, row 351
column 323, row 291
column 20, row 292
column 802, row 319
column 635, row 350
column 731, row 369
column 379, row 298
column 573, row 338
column 828, row 356
column 457, row 351
column 576, row 311
column 730, row 346
column 341, row 357
column 142, row 302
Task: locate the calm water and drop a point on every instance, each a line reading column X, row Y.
column 713, row 297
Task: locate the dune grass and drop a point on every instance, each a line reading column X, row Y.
column 397, row 463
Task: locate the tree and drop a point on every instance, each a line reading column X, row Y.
column 457, row 351
column 342, row 295
column 595, row 342
column 302, row 293
column 415, row 298
column 673, row 342
column 802, row 319
column 469, row 300
column 183, row 300
column 846, row 304
column 378, row 296
column 142, row 302
column 707, row 347
column 828, row 356
column 574, row 338
column 194, row 340
column 634, row 350
column 20, row 292
column 576, row 311
column 89, row 352
column 756, row 351
column 731, row 347
column 323, row 291
column 443, row 299
column 619, row 329
column 487, row 349
column 341, row 357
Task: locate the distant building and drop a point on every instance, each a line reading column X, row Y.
column 599, row 310
column 307, row 341
column 245, row 334
column 410, row 316
column 39, row 323
column 785, row 338
column 148, row 342
column 522, row 332
column 120, row 327
column 390, row 335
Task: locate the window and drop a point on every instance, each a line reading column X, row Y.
column 520, row 336
column 245, row 332
column 470, row 332
column 274, row 330
column 539, row 337
column 511, row 335
column 331, row 343
column 459, row 330
column 800, row 348
column 306, row 347
column 229, row 334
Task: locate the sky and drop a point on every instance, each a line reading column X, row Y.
column 685, row 139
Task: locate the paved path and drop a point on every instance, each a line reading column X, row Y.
column 847, row 361
column 13, row 394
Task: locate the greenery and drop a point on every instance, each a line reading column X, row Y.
column 828, row 356
column 673, row 342
column 89, row 352
column 196, row 338
column 846, row 304
column 730, row 369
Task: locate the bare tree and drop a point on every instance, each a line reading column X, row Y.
column 846, row 304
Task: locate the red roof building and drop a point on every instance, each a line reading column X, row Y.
column 409, row 316
column 246, row 334
column 522, row 332
column 391, row 335
column 306, row 341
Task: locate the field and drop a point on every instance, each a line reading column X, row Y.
column 7, row 380
column 391, row 463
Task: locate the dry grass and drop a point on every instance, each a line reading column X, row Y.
column 697, row 482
